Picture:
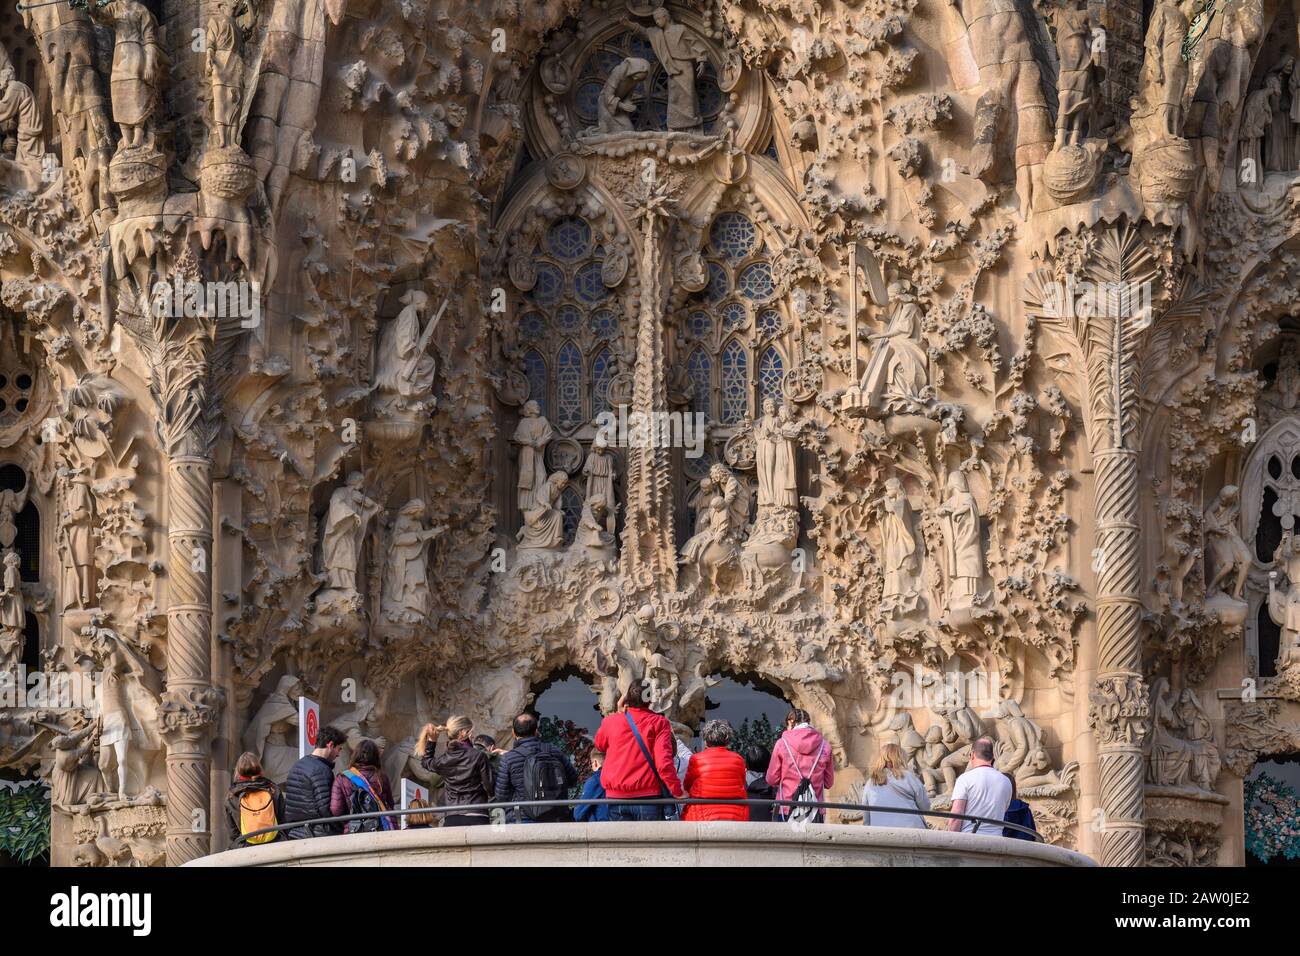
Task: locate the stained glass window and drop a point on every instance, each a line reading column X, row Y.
column 588, row 284
column 698, row 323
column 535, row 370
column 755, row 282
column 769, row 322
column 771, row 371
column 532, row 325
column 569, row 239
column 732, row 236
column 718, row 285
column 603, row 324
column 735, row 383
column 571, row 508
column 734, row 317
column 550, row 284
column 568, row 386
column 602, row 370
column 700, row 372
column 568, row 319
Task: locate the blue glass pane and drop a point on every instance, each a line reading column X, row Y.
column 638, row 46
column 568, row 319
column 755, row 282
column 770, row 373
column 604, row 61
column 569, row 239
column 699, row 323
column 769, row 322
column 733, row 236
column 532, row 326
column 718, row 284
column 735, row 382
column 586, row 100
column 710, row 95
column 700, row 371
column 771, row 152
column 604, row 324
column 733, row 317
column 602, row 370
column 550, row 284
column 568, row 386
column 571, row 508
column 588, row 285
column 535, row 370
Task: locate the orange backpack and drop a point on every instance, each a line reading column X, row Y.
column 252, row 819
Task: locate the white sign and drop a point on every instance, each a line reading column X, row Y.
column 412, row 790
column 308, row 725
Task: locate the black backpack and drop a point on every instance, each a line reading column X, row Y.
column 362, row 802
column 544, row 779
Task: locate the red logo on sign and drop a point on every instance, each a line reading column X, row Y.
column 313, row 725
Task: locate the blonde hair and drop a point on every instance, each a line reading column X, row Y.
column 889, row 762
column 459, row 727
column 419, row 819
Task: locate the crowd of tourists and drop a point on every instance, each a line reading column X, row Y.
column 635, row 756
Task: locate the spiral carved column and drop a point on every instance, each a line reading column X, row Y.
column 190, row 703
column 1119, row 705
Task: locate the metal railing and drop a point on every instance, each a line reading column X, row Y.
column 996, row 826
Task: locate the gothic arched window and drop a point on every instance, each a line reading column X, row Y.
column 568, row 324
column 733, row 323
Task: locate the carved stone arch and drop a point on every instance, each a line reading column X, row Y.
column 1283, row 440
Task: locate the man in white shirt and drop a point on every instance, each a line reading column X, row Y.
column 981, row 792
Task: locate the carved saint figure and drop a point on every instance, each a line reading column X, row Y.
column 11, row 502
column 138, row 65
column 623, row 658
column 1164, row 71
column 1182, row 750
column 1077, row 81
column 346, row 521
column 661, row 683
column 900, row 549
column 543, row 528
column 225, row 74
column 682, row 55
column 1227, row 551
column 13, row 617
column 774, row 437
column 76, row 522
column 615, row 107
column 962, row 549
column 406, row 572
column 1284, row 604
column 18, row 109
column 896, row 375
column 272, row 733
column 404, row 369
column 1255, row 121
column 532, row 436
column 592, row 538
column 600, row 468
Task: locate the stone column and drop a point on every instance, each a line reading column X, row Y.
column 190, row 704
column 1119, row 704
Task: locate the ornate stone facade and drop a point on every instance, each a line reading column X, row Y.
column 922, row 358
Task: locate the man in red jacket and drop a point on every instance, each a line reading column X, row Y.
column 626, row 772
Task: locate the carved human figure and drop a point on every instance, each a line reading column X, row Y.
column 77, row 521
column 616, row 105
column 682, row 55
column 735, row 495
column 346, row 522
column 18, row 109
column 592, row 538
column 532, row 435
column 1255, row 121
column 1277, row 142
column 625, row 653
column 1205, row 762
column 406, row 570
column 13, row 616
column 73, row 775
column 902, row 731
column 1164, row 71
column 961, row 726
column 1182, row 749
column 1076, row 82
column 661, row 683
column 713, row 545
column 930, row 760
column 1284, row 603
column 1018, row 739
column 543, row 528
column 138, row 65
column 224, row 69
column 962, row 549
column 774, row 454
column 1227, row 551
column 272, row 733
column 896, row 375
column 11, row 502
column 404, row 369
column 899, row 549
column 600, row 469
column 126, row 705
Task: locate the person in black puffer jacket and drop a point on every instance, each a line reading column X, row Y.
column 510, row 774
column 307, row 788
column 466, row 770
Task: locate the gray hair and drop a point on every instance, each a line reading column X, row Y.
column 717, row 733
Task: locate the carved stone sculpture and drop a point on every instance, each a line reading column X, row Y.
column 406, row 575
column 1183, row 752
column 404, row 369
column 963, row 549
column 126, row 705
column 272, row 734
column 543, row 528
column 600, row 468
column 592, row 538
column 11, row 502
column 1225, row 548
column 349, row 515
column 896, row 377
column 532, row 435
column 774, row 440
column 616, row 102
column 76, row 521
column 138, row 66
column 625, row 654
column 900, row 553
column 225, row 73
column 13, row 616
column 18, row 108
column 681, row 55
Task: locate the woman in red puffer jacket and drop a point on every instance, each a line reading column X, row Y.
column 716, row 773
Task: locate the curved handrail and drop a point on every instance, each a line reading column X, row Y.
column 243, row 838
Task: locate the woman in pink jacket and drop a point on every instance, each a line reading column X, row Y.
column 801, row 752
